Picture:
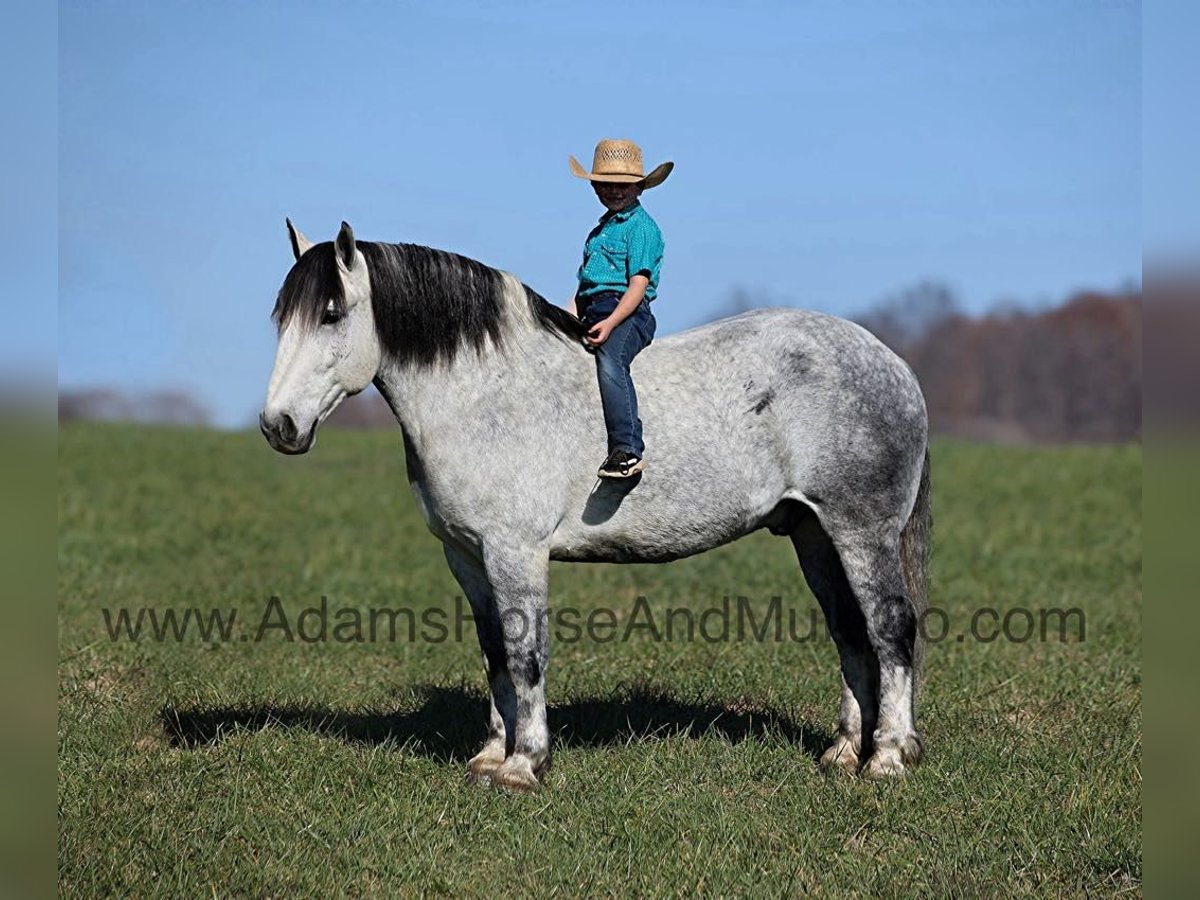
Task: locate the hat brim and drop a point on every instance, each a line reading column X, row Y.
column 656, row 177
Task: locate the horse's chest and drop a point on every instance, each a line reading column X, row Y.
column 437, row 504
column 440, row 517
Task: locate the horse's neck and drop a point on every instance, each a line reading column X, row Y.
column 447, row 400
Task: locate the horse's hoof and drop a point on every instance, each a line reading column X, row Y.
column 483, row 765
column 842, row 756
column 516, row 774
column 885, row 763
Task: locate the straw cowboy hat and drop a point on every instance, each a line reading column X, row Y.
column 620, row 161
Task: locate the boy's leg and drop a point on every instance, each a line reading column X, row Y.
column 616, row 386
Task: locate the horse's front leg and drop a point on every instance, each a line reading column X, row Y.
column 472, row 578
column 511, row 619
column 519, row 579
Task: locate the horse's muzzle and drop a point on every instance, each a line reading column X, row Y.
column 282, row 434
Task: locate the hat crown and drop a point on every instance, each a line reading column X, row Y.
column 620, row 161
column 617, row 157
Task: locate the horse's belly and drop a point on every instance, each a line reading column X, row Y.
column 611, row 545
column 614, row 525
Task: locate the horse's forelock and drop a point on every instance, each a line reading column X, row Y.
column 312, row 282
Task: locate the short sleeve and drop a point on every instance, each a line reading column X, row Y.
column 645, row 250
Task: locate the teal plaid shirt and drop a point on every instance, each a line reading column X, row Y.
column 623, row 244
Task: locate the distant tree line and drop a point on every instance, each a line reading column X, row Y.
column 170, row 407
column 1070, row 373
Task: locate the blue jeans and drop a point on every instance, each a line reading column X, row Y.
column 612, row 366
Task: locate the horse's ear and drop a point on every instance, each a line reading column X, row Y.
column 300, row 243
column 345, row 246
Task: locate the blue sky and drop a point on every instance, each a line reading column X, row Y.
column 826, row 155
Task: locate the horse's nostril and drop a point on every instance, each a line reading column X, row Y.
column 287, row 428
column 280, row 427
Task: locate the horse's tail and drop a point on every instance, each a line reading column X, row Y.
column 915, row 542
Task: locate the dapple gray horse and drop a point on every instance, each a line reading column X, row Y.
column 793, row 421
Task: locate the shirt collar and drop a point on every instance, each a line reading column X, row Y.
column 622, row 214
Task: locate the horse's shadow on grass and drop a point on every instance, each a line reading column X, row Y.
column 447, row 725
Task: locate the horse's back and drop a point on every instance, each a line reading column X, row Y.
column 743, row 414
column 794, row 345
column 780, row 379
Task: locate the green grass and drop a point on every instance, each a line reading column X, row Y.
column 276, row 767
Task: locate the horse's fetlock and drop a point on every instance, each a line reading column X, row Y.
column 909, row 746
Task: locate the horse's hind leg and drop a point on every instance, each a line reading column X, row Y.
column 871, row 560
column 860, row 670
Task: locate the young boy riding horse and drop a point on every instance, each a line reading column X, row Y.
column 618, row 280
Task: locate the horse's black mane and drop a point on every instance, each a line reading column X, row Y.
column 428, row 303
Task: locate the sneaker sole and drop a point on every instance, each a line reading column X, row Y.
column 629, row 473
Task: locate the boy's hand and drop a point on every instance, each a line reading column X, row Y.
column 599, row 332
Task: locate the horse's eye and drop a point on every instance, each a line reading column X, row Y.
column 332, row 313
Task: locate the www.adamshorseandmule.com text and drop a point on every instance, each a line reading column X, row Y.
column 734, row 618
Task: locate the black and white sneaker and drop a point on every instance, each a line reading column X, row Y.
column 621, row 464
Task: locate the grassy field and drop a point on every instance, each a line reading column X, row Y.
column 277, row 767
